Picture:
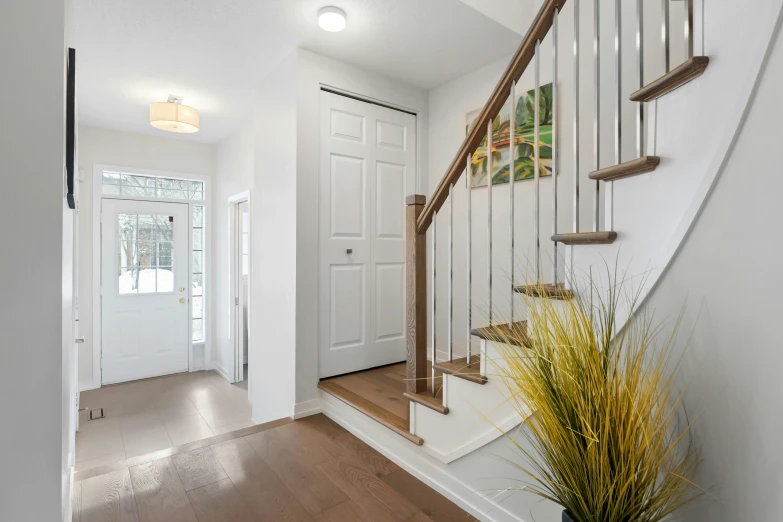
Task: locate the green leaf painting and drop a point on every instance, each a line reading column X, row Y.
column 524, row 141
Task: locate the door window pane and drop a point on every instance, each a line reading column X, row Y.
column 197, row 255
column 145, row 253
column 138, row 185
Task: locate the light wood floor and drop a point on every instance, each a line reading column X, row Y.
column 383, row 386
column 308, row 470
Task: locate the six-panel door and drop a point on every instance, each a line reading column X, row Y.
column 368, row 165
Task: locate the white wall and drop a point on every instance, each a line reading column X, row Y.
column 514, row 14
column 728, row 273
column 122, row 149
column 234, row 174
column 273, row 282
column 314, row 70
column 35, row 266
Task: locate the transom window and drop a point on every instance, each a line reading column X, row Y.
column 145, row 250
column 122, row 184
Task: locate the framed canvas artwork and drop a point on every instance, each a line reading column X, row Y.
column 524, row 141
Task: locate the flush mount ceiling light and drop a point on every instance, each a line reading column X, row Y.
column 331, row 19
column 172, row 116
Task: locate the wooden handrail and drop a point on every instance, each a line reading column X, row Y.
column 520, row 61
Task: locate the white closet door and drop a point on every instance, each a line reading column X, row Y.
column 368, row 166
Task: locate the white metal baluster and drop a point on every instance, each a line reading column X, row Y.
column 434, row 299
column 449, row 337
column 512, row 127
column 555, row 144
column 489, row 216
column 597, row 115
column 537, row 163
column 618, row 67
column 665, row 36
column 470, row 254
column 640, row 62
column 576, row 116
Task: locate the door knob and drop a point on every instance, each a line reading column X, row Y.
column 182, row 300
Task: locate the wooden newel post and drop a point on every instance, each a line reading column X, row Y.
column 416, row 295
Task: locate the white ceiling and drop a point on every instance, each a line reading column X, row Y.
column 131, row 53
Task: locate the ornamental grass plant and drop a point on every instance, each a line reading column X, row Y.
column 609, row 439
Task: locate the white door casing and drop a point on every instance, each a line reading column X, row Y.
column 144, row 289
column 367, row 167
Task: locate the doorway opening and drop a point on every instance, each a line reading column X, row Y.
column 239, row 222
column 149, row 292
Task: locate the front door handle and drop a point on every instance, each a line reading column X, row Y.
column 182, row 300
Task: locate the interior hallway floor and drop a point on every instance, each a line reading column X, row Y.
column 155, row 414
column 311, row 470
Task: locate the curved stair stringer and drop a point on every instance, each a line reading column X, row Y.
column 478, row 414
column 693, row 129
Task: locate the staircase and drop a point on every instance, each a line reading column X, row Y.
column 468, row 386
column 461, row 307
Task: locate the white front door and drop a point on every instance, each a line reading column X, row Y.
column 144, row 289
column 367, row 167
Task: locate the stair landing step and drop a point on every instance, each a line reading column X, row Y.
column 515, row 334
column 546, row 291
column 586, row 238
column 372, row 410
column 460, row 368
column 427, row 399
column 635, row 167
column 677, row 77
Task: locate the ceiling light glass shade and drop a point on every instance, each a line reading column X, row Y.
column 174, row 117
column 331, row 19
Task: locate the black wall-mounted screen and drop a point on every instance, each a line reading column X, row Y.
column 70, row 126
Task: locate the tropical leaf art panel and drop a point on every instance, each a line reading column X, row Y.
column 524, row 141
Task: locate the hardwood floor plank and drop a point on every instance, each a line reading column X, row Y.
column 357, row 482
column 323, row 424
column 219, row 502
column 160, row 495
column 198, row 468
column 371, row 459
column 309, row 445
column 437, row 507
column 308, row 484
column 109, row 498
column 263, row 492
column 419, row 517
column 360, row 509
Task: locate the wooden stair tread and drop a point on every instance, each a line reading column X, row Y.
column 635, row 167
column 428, row 400
column 372, row 410
column 515, row 333
column 460, row 368
column 546, row 291
column 586, row 238
column 677, row 77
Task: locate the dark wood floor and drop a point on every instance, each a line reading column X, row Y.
column 308, row 470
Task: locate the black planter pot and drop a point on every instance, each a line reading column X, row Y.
column 567, row 517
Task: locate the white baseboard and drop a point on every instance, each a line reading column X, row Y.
column 307, row 408
column 222, row 371
column 416, row 461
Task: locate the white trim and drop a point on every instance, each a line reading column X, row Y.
column 221, row 370
column 418, row 463
column 234, row 278
column 97, row 197
column 306, row 409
